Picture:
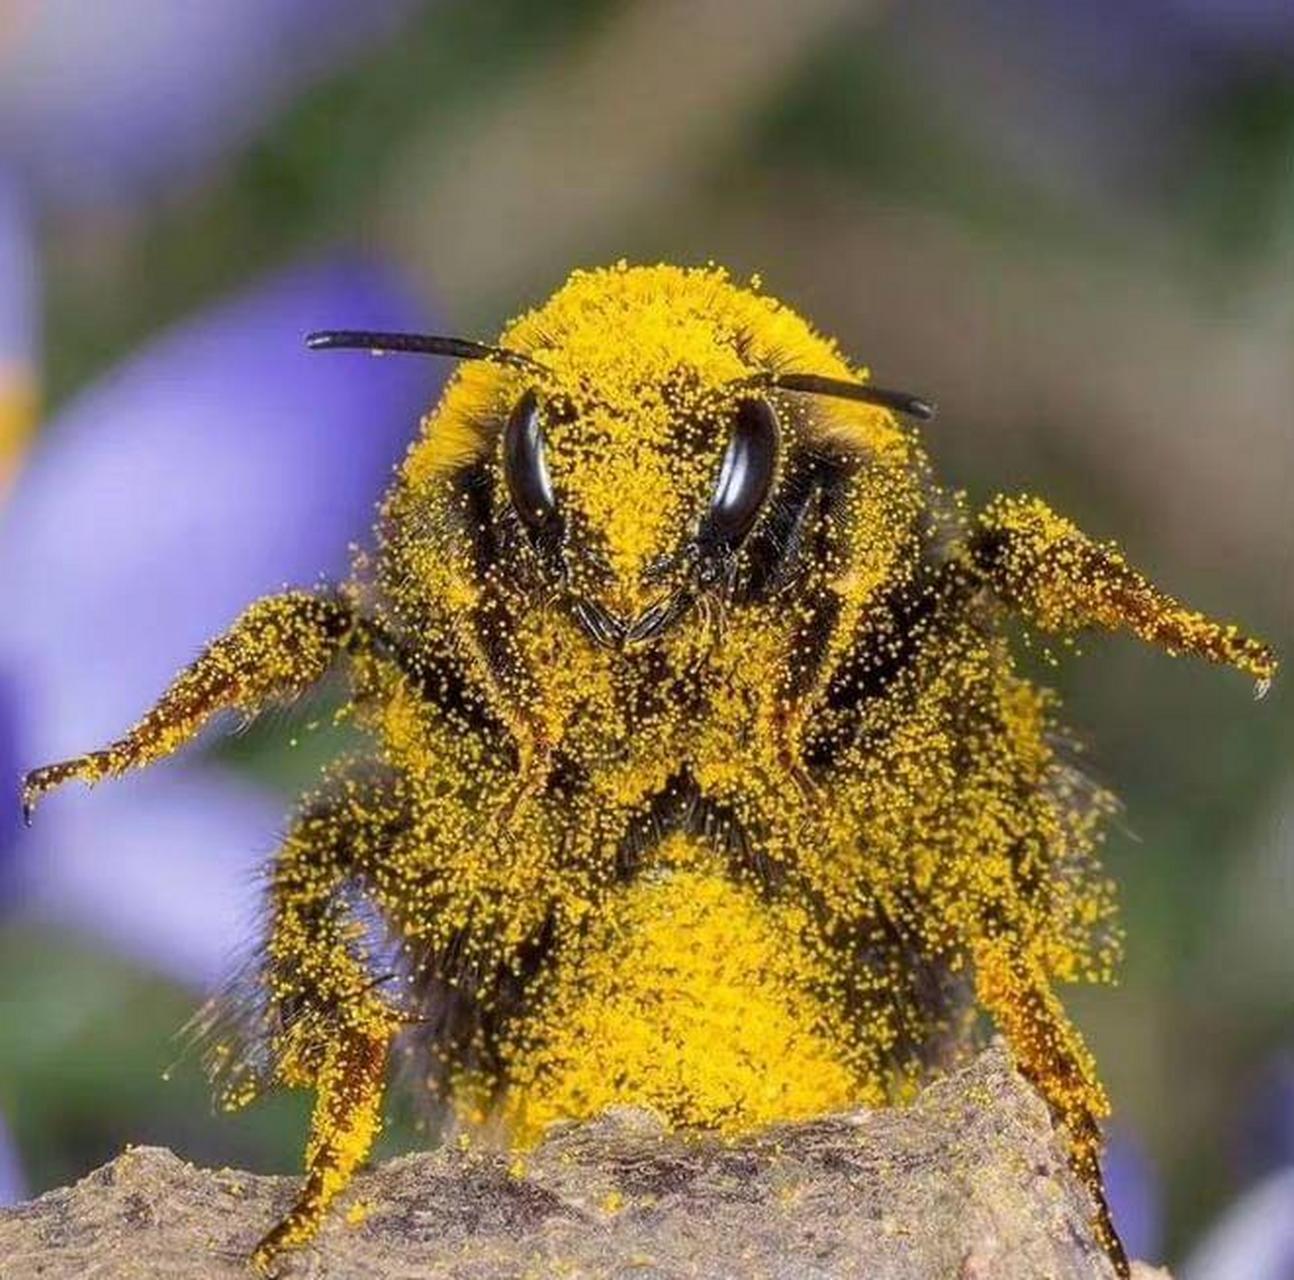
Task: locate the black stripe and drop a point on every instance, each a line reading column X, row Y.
column 777, row 549
column 895, row 632
column 680, row 807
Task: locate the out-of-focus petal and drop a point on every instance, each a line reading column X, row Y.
column 1089, row 97
column 160, row 866
column 18, row 323
column 220, row 463
column 1264, row 28
column 1266, row 1139
column 1134, row 1195
column 19, row 318
column 13, row 1185
column 10, row 825
column 1254, row 1238
column 100, row 100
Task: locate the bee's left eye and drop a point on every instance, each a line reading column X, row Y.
column 745, row 477
column 525, row 467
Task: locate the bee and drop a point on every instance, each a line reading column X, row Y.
column 698, row 771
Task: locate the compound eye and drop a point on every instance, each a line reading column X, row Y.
column 745, row 477
column 525, row 467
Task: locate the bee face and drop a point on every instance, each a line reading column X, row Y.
column 649, row 459
column 632, row 516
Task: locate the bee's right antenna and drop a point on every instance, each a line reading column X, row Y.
column 421, row 344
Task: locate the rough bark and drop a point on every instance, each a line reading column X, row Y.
column 968, row 1182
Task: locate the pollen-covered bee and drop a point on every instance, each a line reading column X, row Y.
column 698, row 773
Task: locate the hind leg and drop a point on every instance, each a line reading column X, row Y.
column 347, row 1118
column 1049, row 1052
column 330, row 1026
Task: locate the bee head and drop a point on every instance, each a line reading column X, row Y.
column 638, row 436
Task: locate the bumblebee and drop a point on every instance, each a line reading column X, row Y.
column 698, row 771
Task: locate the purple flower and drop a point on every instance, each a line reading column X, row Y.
column 17, row 413
column 1254, row 1238
column 1253, row 28
column 13, row 1186
column 161, row 867
column 1133, row 1191
column 100, row 101
column 220, row 463
column 1266, row 1138
column 18, row 323
column 10, row 825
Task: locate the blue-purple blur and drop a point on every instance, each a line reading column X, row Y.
column 1072, row 225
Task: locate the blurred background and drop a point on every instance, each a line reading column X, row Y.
column 1072, row 225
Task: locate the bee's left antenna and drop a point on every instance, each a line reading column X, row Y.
column 864, row 392
column 421, row 344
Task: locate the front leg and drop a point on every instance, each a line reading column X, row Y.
column 1044, row 566
column 491, row 634
column 277, row 649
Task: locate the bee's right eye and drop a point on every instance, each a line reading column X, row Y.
column 525, row 467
